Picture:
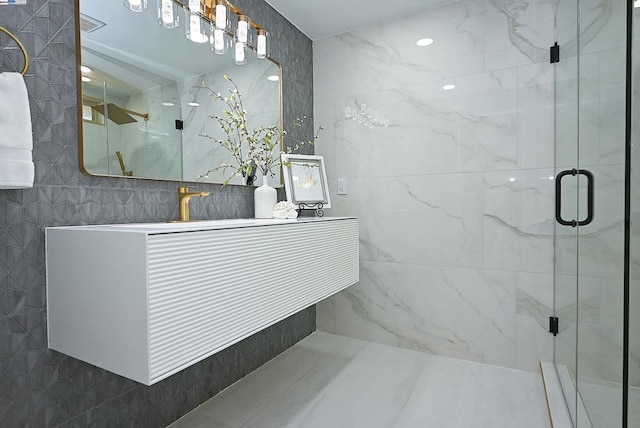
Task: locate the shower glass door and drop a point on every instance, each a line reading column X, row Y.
column 566, row 237
column 589, row 228
column 634, row 236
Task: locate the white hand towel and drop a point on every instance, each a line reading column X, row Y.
column 16, row 137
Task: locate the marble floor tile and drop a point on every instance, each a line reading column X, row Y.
column 334, row 381
column 197, row 419
column 375, row 387
column 603, row 403
column 285, row 384
column 455, row 393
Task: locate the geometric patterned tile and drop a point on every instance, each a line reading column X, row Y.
column 43, row 388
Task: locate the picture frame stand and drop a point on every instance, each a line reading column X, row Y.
column 317, row 207
column 305, row 182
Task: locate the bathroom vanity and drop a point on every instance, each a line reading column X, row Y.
column 148, row 300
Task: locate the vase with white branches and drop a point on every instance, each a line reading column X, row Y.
column 251, row 149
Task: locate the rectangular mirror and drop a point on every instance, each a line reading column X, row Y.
column 148, row 97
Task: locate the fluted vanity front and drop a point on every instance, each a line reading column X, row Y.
column 146, row 301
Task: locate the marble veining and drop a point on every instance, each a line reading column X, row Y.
column 529, row 305
column 394, row 304
column 463, row 179
column 529, row 34
column 357, row 53
column 328, row 380
column 464, row 175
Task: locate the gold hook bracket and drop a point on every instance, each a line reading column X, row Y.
column 22, row 48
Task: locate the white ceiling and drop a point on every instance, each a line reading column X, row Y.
column 323, row 18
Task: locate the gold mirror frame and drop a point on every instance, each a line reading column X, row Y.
column 25, row 54
column 127, row 174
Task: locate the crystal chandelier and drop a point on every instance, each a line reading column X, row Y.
column 218, row 22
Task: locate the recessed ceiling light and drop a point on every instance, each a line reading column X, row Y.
column 168, row 104
column 85, row 69
column 427, row 41
column 636, row 3
column 86, row 79
column 275, row 78
column 448, row 87
column 194, row 104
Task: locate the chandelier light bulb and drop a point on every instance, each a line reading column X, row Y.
column 195, row 29
column 195, row 32
column 215, row 21
column 135, row 5
column 219, row 42
column 242, row 33
column 221, row 15
column 194, row 6
column 168, row 15
column 166, row 8
column 240, row 53
column 261, row 44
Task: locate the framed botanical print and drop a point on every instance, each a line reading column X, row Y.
column 305, row 181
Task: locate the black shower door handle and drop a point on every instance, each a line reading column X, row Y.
column 573, row 172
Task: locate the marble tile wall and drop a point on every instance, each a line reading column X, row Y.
column 158, row 150
column 456, row 195
column 41, row 388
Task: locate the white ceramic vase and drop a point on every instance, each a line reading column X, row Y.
column 265, row 197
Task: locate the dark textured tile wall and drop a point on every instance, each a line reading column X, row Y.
column 42, row 388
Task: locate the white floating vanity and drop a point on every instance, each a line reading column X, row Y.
column 148, row 300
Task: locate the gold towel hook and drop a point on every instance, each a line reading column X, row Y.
column 22, row 48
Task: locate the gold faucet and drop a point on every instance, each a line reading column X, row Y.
column 184, row 196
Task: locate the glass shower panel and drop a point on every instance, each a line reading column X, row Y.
column 589, row 258
column 566, row 238
column 634, row 259
column 601, row 148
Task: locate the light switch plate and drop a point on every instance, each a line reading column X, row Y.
column 342, row 186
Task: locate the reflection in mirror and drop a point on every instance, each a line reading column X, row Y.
column 147, row 98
